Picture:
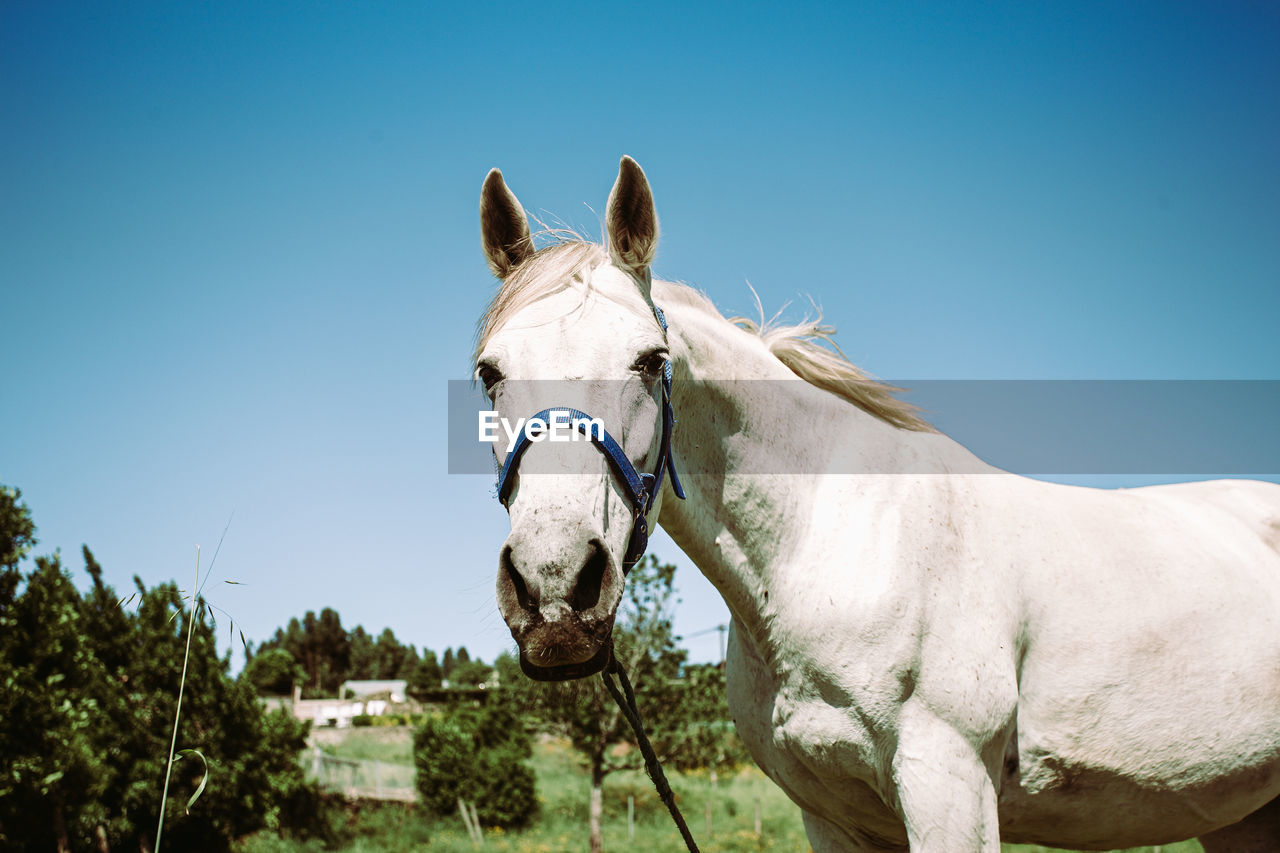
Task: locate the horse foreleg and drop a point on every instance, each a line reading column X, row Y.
column 945, row 792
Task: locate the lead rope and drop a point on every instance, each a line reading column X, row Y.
column 627, row 704
column 629, row 710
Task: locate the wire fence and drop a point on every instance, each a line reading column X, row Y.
column 367, row 779
column 360, row 779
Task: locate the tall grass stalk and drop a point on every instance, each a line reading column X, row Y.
column 177, row 713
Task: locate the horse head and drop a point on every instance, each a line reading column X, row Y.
column 573, row 332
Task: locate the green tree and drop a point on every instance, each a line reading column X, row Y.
column 51, row 770
column 506, row 669
column 447, row 662
column 329, row 655
column 136, row 758
column 426, row 675
column 478, row 755
column 293, row 640
column 255, row 780
column 391, row 655
column 408, row 664
column 333, row 652
column 472, row 673
column 363, row 656
column 698, row 732
column 272, row 673
column 323, row 648
column 17, row 535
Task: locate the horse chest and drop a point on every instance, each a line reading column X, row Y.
column 832, row 745
column 830, row 756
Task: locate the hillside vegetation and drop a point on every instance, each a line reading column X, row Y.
column 563, row 782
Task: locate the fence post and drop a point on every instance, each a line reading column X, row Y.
column 315, row 764
column 757, row 816
column 466, row 819
column 631, row 818
column 475, row 821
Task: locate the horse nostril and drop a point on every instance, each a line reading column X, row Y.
column 518, row 586
column 586, row 591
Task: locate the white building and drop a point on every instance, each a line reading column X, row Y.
column 359, row 689
column 355, row 698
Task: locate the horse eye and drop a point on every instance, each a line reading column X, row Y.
column 651, row 364
column 489, row 376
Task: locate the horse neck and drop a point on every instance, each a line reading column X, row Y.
column 751, row 449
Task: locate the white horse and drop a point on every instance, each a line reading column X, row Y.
column 922, row 661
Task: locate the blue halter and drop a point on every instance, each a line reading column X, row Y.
column 642, row 489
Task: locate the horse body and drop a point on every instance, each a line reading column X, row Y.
column 934, row 654
column 1048, row 631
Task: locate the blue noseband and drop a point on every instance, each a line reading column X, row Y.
column 642, row 489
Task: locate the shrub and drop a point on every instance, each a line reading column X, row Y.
column 479, row 756
column 362, row 720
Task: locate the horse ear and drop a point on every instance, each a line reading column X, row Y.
column 631, row 220
column 504, row 228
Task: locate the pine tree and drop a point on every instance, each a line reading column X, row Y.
column 390, row 654
column 427, row 675
column 363, row 656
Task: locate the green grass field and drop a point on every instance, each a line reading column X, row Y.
column 563, row 787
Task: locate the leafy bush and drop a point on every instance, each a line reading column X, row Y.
column 478, row 755
column 380, row 720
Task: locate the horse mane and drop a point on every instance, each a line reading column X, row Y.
column 570, row 258
column 798, row 347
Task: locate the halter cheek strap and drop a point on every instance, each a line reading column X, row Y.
column 642, row 489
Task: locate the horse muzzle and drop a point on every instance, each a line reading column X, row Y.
column 570, row 671
column 560, row 611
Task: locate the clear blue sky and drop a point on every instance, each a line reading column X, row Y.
column 239, row 252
